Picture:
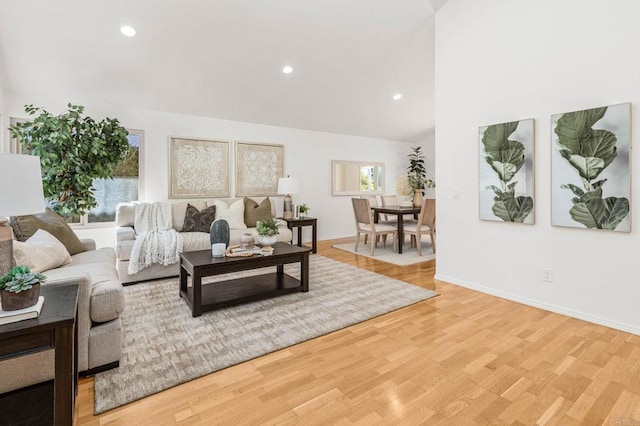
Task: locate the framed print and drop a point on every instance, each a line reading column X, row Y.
column 505, row 167
column 198, row 168
column 258, row 168
column 590, row 168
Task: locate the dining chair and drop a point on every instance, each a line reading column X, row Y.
column 365, row 225
column 426, row 224
column 388, row 200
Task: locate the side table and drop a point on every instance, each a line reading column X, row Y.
column 305, row 221
column 53, row 329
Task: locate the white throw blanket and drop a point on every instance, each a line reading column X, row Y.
column 156, row 240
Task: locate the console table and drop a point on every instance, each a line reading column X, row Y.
column 305, row 221
column 53, row 329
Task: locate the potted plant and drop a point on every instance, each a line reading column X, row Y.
column 20, row 288
column 303, row 209
column 417, row 174
column 267, row 231
column 74, row 150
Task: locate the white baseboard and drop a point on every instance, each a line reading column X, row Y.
column 542, row 305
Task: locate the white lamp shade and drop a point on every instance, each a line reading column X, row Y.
column 20, row 185
column 288, row 185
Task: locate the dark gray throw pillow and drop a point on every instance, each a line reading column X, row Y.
column 198, row 220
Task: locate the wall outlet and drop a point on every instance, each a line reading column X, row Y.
column 548, row 275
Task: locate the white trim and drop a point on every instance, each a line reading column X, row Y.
column 542, row 305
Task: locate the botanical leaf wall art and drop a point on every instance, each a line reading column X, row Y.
column 506, row 171
column 590, row 168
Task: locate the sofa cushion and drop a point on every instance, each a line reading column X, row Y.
column 179, row 209
column 198, row 220
column 124, row 249
column 102, row 255
column 234, row 213
column 24, row 227
column 41, row 252
column 193, row 241
column 254, row 212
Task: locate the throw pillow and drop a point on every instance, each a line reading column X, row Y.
column 234, row 213
column 198, row 220
column 254, row 212
column 41, row 252
column 24, row 227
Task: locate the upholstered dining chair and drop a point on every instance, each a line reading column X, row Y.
column 388, row 200
column 426, row 224
column 365, row 225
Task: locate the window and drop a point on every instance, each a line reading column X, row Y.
column 125, row 185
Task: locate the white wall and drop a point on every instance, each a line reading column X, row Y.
column 504, row 60
column 428, row 145
column 308, row 156
column 3, row 121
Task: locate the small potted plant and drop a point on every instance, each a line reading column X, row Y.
column 20, row 288
column 267, row 231
column 303, row 209
column 417, row 174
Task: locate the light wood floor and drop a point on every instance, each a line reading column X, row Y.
column 461, row 358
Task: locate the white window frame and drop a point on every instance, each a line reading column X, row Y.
column 84, row 220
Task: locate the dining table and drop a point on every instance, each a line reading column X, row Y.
column 399, row 211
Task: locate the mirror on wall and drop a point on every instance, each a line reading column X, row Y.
column 356, row 178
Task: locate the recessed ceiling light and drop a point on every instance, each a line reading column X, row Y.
column 287, row 70
column 397, row 96
column 128, row 31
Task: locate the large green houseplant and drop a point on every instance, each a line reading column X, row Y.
column 417, row 175
column 74, row 150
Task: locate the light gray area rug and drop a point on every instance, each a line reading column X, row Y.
column 409, row 254
column 165, row 346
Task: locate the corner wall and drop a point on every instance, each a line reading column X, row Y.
column 504, row 60
column 308, row 156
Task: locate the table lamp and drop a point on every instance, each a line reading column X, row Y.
column 20, row 194
column 286, row 187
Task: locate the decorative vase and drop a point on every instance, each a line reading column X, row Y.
column 247, row 241
column 219, row 232
column 13, row 301
column 267, row 241
column 418, row 199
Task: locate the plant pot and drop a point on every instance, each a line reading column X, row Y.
column 418, row 199
column 14, row 301
column 267, row 241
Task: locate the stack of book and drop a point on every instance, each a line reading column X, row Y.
column 7, row 317
column 254, row 250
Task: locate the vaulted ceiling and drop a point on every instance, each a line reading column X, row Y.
column 224, row 59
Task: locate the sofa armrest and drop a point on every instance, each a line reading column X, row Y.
column 57, row 277
column 88, row 243
column 125, row 233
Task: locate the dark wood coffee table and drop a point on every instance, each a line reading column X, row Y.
column 200, row 264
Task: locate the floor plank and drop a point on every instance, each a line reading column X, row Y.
column 463, row 357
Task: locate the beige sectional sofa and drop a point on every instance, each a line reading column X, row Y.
column 125, row 236
column 100, row 302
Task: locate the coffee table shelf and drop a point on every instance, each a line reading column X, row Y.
column 199, row 264
column 242, row 290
